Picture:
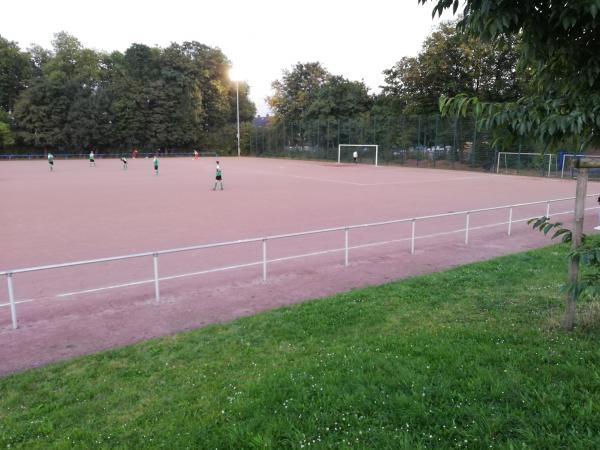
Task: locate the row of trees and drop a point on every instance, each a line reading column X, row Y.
column 73, row 97
column 449, row 63
column 180, row 96
column 315, row 110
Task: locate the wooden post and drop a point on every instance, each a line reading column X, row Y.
column 587, row 163
column 583, row 164
column 582, row 178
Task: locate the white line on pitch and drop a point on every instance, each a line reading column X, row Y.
column 17, row 302
column 89, row 291
column 328, row 180
column 439, row 180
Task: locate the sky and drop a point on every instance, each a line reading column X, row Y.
column 357, row 39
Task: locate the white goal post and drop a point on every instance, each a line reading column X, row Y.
column 502, row 158
column 358, row 145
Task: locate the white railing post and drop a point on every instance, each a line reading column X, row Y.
column 156, row 288
column 548, row 210
column 11, row 299
column 467, row 229
column 510, row 212
column 346, row 246
column 412, row 239
column 264, row 258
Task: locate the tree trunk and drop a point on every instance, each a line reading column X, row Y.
column 570, row 301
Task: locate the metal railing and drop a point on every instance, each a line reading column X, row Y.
column 263, row 240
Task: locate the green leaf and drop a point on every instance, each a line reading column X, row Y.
column 548, row 227
column 561, row 232
column 539, row 222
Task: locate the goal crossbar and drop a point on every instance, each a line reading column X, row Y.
column 541, row 155
column 358, row 145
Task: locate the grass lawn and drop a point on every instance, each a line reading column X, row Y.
column 468, row 358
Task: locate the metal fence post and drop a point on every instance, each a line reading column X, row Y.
column 346, row 246
column 264, row 256
column 11, row 298
column 498, row 163
column 510, row 212
column 156, row 288
column 467, row 229
column 412, row 239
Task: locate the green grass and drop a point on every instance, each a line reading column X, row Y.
column 470, row 358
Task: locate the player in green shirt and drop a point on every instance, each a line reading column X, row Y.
column 218, row 177
column 155, row 165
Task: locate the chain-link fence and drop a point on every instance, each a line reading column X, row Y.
column 420, row 141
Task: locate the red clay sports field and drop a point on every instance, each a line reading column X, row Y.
column 79, row 212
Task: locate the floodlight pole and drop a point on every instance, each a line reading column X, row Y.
column 237, row 96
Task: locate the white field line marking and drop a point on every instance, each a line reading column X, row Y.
column 329, row 180
column 171, row 277
column 89, row 291
column 440, row 180
column 544, row 178
column 18, row 302
column 325, row 180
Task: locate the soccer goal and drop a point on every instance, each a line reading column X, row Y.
column 514, row 162
column 366, row 153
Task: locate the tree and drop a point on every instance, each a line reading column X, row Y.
column 131, row 95
column 209, row 68
column 451, row 63
column 39, row 56
column 339, row 98
column 147, row 96
column 177, row 109
column 6, row 137
column 309, row 103
column 560, row 48
column 297, row 90
column 60, row 107
column 15, row 70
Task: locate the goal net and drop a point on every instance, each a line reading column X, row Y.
column 544, row 164
column 365, row 153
